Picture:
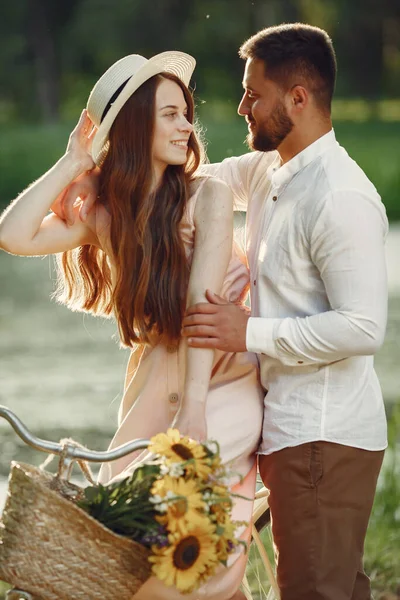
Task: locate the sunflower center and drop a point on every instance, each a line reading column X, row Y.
column 182, row 451
column 186, row 553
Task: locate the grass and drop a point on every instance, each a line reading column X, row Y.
column 382, row 547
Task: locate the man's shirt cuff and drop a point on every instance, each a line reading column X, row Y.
column 260, row 336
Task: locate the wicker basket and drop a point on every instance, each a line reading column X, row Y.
column 53, row 549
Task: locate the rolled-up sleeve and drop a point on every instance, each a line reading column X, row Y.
column 347, row 247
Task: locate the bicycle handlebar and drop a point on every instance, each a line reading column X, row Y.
column 73, row 452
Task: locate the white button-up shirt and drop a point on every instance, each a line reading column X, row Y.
column 315, row 237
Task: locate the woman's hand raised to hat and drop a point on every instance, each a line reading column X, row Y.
column 80, row 143
column 84, row 188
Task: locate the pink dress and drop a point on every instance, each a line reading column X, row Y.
column 153, row 388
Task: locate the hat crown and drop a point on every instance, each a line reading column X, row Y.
column 110, row 82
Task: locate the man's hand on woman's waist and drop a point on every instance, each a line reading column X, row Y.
column 216, row 324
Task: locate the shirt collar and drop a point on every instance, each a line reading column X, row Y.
column 281, row 175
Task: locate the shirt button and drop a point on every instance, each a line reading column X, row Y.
column 274, row 198
column 171, row 349
column 255, row 282
column 300, row 362
column 173, row 398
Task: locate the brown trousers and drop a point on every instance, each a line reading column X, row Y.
column 321, row 496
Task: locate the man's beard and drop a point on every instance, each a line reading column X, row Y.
column 271, row 133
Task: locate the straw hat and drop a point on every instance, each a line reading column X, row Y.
column 132, row 70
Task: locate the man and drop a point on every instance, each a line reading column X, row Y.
column 315, row 246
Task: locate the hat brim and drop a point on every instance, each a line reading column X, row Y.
column 178, row 63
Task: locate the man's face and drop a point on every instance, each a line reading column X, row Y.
column 264, row 109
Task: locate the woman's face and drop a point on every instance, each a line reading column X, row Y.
column 171, row 127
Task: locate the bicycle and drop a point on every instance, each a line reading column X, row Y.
column 259, row 582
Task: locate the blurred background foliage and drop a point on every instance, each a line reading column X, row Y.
column 51, row 54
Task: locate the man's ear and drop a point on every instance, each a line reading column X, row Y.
column 299, row 97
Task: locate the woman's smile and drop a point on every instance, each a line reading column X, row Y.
column 182, row 144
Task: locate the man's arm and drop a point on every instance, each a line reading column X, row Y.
column 236, row 172
column 241, row 173
column 347, row 246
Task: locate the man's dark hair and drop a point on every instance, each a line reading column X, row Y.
column 295, row 53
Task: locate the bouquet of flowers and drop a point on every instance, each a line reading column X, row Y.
column 178, row 505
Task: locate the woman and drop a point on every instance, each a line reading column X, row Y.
column 157, row 238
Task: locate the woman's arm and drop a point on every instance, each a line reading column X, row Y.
column 212, row 250
column 26, row 228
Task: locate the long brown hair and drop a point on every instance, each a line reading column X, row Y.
column 148, row 295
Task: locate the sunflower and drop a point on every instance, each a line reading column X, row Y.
column 188, row 558
column 174, row 447
column 219, row 489
column 184, row 503
column 218, row 511
column 226, row 538
column 199, row 467
column 219, row 501
column 177, row 448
